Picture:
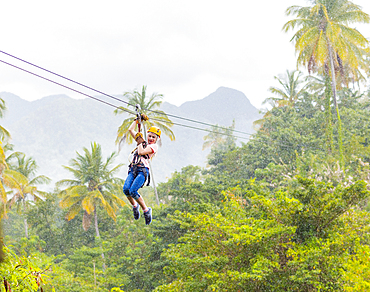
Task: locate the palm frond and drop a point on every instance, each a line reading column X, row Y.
column 73, row 211
column 88, row 204
column 41, row 179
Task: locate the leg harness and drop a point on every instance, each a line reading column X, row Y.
column 137, row 165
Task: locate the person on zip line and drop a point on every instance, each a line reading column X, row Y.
column 139, row 167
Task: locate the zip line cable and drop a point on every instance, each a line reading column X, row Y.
column 210, row 131
column 112, row 105
column 120, row 108
column 115, row 98
column 57, row 83
column 203, row 123
column 61, row 76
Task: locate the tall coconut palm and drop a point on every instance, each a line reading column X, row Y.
column 93, row 185
column 23, row 183
column 326, row 44
column 150, row 106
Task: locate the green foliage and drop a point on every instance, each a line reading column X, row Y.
column 294, row 138
column 284, row 133
column 130, row 253
column 20, row 273
column 191, row 185
column 47, row 220
column 280, row 242
column 279, row 213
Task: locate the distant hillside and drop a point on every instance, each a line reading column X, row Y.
column 53, row 128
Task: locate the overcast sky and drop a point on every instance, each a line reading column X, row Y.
column 182, row 49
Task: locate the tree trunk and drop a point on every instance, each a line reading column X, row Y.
column 94, row 276
column 2, row 254
column 25, row 219
column 96, row 222
column 98, row 235
column 329, row 117
column 333, row 82
column 340, row 138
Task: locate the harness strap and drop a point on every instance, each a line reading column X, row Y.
column 135, row 169
column 137, row 164
column 136, row 159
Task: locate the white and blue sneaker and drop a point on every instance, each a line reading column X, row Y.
column 136, row 212
column 148, row 216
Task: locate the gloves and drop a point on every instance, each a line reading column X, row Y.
column 139, row 138
column 143, row 117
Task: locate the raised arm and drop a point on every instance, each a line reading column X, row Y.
column 132, row 129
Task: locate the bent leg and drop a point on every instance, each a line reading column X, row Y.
column 131, row 200
column 128, row 182
column 135, row 186
column 142, row 204
column 126, row 188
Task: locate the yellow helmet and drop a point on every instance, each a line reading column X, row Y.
column 155, row 130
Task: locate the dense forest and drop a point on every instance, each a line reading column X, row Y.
column 286, row 211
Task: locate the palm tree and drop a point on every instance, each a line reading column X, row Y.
column 5, row 181
column 22, row 189
column 149, row 105
column 219, row 136
column 26, row 166
column 93, row 185
column 291, row 91
column 327, row 45
column 325, row 42
column 20, row 177
column 4, row 134
column 4, row 146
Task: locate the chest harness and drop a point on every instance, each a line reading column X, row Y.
column 136, row 166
